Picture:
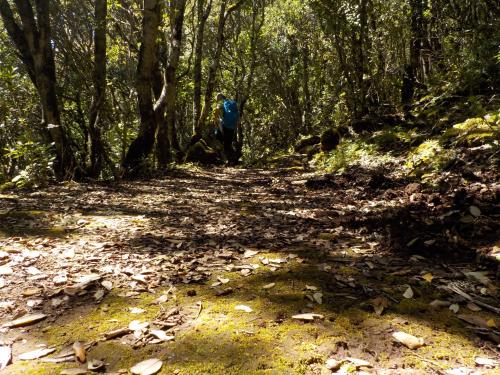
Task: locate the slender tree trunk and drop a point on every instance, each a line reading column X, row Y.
column 97, row 152
column 142, row 146
column 358, row 45
column 416, row 45
column 256, row 27
column 307, row 93
column 177, row 10
column 33, row 42
column 202, row 16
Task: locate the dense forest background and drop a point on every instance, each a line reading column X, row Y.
column 99, row 89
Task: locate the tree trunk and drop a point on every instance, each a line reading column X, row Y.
column 256, row 27
column 97, row 152
column 34, row 44
column 177, row 11
column 416, row 45
column 142, row 146
column 307, row 93
column 202, row 16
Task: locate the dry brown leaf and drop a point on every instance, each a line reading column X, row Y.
column 243, row 308
column 95, row 365
column 5, row 356
column 487, row 362
column 35, row 354
column 108, row 285
column 250, row 253
column 269, row 286
column 29, row 292
column 6, row 270
column 308, row 316
column 25, row 320
column 379, row 304
column 147, row 367
column 117, row 333
column 428, row 277
column 136, row 325
column 136, row 310
column 80, row 352
column 162, row 335
column 408, row 293
column 318, row 298
column 408, row 340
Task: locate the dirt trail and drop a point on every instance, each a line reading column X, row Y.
column 221, row 260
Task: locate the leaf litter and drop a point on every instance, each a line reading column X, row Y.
column 357, row 272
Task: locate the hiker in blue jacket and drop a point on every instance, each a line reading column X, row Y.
column 228, row 116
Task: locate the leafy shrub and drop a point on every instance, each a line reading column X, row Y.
column 349, row 153
column 475, row 130
column 33, row 164
column 427, row 158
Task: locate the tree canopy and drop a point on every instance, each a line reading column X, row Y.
column 105, row 88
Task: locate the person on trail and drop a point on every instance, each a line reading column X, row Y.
column 228, row 116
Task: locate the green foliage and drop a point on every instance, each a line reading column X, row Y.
column 347, row 154
column 33, row 164
column 427, row 158
column 478, row 130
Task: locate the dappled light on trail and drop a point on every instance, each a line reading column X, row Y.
column 238, row 271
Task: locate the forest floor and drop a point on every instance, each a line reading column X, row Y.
column 241, row 271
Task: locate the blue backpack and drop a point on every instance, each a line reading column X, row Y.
column 231, row 114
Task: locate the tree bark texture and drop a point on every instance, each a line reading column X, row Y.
column 97, row 152
column 142, row 146
column 33, row 42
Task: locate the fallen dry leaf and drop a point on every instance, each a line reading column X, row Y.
column 35, row 354
column 428, row 277
column 136, row 310
column 408, row 293
column 25, row 320
column 108, row 285
column 318, row 298
column 308, row 316
column 488, row 362
column 379, row 304
column 250, row 253
column 269, row 286
column 95, row 365
column 162, row 335
column 408, row 340
column 147, row 367
column 243, row 308
column 136, row 325
column 5, row 356
column 6, row 270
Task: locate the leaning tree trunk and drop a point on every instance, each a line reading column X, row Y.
column 34, row 44
column 142, row 146
column 97, row 152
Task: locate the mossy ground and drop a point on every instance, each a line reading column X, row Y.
column 222, row 340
